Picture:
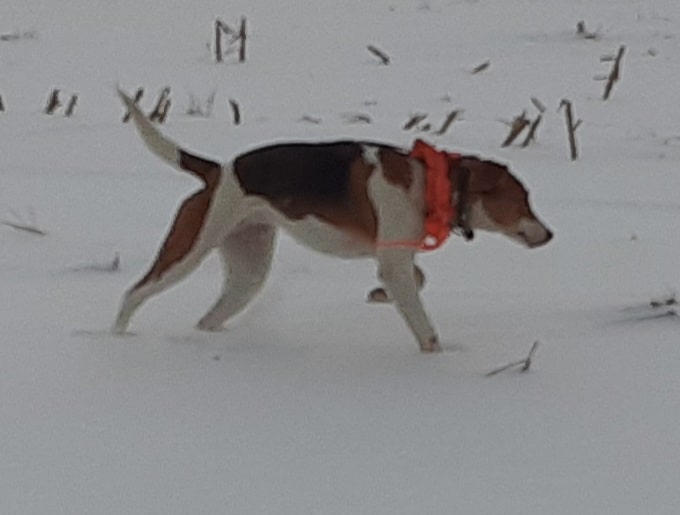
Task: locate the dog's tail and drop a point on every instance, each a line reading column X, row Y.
column 204, row 169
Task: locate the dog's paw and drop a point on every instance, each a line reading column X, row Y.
column 431, row 346
column 120, row 330
column 378, row 296
column 204, row 325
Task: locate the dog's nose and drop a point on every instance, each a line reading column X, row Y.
column 540, row 238
column 548, row 236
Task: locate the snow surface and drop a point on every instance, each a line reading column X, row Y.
column 313, row 402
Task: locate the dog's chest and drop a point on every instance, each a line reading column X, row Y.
column 327, row 238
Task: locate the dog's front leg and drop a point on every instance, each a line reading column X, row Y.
column 380, row 296
column 398, row 276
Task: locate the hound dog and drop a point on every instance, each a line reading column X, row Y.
column 347, row 198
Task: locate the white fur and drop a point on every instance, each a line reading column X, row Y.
column 154, row 139
column 400, row 219
column 246, row 257
column 222, row 216
column 327, row 239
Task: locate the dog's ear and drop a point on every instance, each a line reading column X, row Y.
column 484, row 175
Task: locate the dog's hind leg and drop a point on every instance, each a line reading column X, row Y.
column 181, row 253
column 380, row 296
column 246, row 254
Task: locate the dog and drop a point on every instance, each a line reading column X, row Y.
column 348, row 198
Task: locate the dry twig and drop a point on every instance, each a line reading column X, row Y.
column 413, row 121
column 242, row 40
column 480, row 67
column 356, row 118
column 22, row 227
column 531, row 135
column 517, row 126
column 669, row 300
column 220, row 27
column 71, row 106
column 138, row 96
column 583, row 33
column 53, row 102
column 310, row 119
column 165, row 109
column 615, row 73
column 571, row 127
column 239, row 35
column 450, row 118
column 160, row 112
column 384, row 58
column 16, row 36
column 236, row 111
column 538, row 105
column 524, row 363
column 20, row 224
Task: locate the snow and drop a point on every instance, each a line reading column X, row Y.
column 313, row 401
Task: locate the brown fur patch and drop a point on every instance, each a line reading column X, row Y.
column 504, row 198
column 484, row 175
column 328, row 181
column 361, row 207
column 353, row 212
column 204, row 169
column 396, row 168
column 183, row 233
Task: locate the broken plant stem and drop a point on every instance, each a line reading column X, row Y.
column 160, row 112
column 480, row 67
column 236, row 111
column 413, row 121
column 242, row 40
column 531, row 135
column 450, row 118
column 538, row 105
column 71, row 105
column 356, row 118
column 310, row 119
column 571, row 127
column 219, row 27
column 138, row 97
column 19, row 226
column 615, row 73
column 53, row 103
column 384, row 58
column 524, row 363
column 516, row 128
column 583, row 32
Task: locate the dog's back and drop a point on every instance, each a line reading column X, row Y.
column 319, row 171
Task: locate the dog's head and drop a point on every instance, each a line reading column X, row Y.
column 496, row 201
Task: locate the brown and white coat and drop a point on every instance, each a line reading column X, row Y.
column 348, row 199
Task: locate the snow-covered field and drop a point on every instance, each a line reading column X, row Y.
column 314, row 402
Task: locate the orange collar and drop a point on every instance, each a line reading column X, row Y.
column 439, row 210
